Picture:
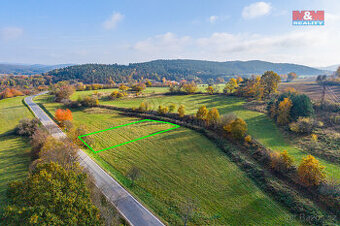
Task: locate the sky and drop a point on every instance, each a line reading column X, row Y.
column 103, row 31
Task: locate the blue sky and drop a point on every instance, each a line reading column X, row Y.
column 53, row 32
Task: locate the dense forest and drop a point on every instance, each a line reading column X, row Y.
column 174, row 70
column 23, row 69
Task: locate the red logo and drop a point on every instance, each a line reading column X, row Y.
column 308, row 17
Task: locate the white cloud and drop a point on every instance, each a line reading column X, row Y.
column 212, row 19
column 256, row 9
column 160, row 43
column 318, row 46
column 11, row 33
column 112, row 21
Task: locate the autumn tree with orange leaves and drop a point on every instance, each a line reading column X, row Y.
column 62, row 115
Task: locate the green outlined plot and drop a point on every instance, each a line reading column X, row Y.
column 129, row 141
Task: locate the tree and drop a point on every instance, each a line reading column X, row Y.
column 27, row 127
column 51, row 195
column 230, row 86
column 284, row 107
column 63, row 90
column 338, row 72
column 138, row 87
column 133, row 174
column 202, row 112
column 190, row 87
column 237, row 127
column 62, row 115
column 210, row 90
column 281, row 162
column 172, row 107
column 181, row 111
column 148, row 83
column 311, row 172
column 213, row 117
column 291, row 76
column 269, row 82
column 302, row 106
column 123, row 87
column 162, row 110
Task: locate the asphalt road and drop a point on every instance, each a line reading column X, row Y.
column 132, row 210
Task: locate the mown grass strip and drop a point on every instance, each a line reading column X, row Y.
column 130, row 141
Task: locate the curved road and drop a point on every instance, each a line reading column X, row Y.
column 132, row 210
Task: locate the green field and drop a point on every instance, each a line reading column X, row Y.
column 149, row 90
column 14, row 150
column 178, row 166
column 260, row 126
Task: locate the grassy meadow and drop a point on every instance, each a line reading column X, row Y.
column 177, row 167
column 14, row 150
column 260, row 126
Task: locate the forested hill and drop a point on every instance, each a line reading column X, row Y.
column 24, row 69
column 175, row 70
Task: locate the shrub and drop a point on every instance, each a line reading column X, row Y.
column 237, row 128
column 10, row 92
column 190, row 88
column 210, row 90
column 37, row 142
column 213, row 117
column 138, row 87
column 248, row 139
column 302, row 106
column 284, row 107
column 63, row 91
column 172, row 107
column 148, row 83
column 303, row 125
column 62, row 115
column 89, row 101
column 123, row 87
column 27, row 127
column 311, row 172
column 202, row 112
column 314, row 137
column 162, row 110
column 231, row 86
column 281, row 162
column 116, row 94
column 181, row 111
column 144, row 106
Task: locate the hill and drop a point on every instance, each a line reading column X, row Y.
column 24, row 69
column 175, row 70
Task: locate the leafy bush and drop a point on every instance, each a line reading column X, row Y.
column 213, row 117
column 311, row 172
column 144, row 106
column 27, row 127
column 172, row 107
column 202, row 112
column 62, row 115
column 281, row 162
column 162, row 110
column 116, row 94
column 181, row 111
column 88, row 101
column 237, row 128
column 303, row 125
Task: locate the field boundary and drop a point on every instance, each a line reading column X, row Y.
column 130, row 141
